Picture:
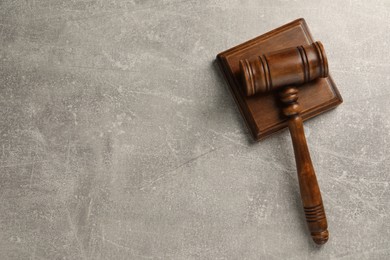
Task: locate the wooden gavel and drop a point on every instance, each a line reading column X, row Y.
column 284, row 71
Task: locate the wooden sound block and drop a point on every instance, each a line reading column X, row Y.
column 262, row 113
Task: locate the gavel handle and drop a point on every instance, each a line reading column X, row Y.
column 310, row 191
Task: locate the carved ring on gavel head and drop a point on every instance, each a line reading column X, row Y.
column 292, row 66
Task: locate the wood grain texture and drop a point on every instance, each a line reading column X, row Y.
column 291, row 66
column 261, row 112
column 308, row 185
column 265, row 86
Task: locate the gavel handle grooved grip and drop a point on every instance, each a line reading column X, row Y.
column 309, row 189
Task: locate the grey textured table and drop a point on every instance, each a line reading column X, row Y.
column 120, row 140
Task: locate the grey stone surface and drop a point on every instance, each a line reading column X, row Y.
column 120, row 140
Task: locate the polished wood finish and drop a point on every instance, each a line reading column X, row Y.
column 272, row 71
column 264, row 75
column 310, row 191
column 296, row 65
column 261, row 112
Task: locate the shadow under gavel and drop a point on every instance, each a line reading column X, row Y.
column 284, row 71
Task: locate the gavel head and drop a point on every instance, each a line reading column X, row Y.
column 292, row 66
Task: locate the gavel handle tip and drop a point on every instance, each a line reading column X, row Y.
column 320, row 238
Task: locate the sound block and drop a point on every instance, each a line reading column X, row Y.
column 262, row 113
